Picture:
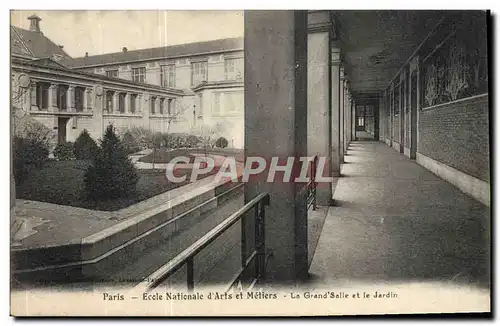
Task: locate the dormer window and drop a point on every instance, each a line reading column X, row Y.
column 57, row 57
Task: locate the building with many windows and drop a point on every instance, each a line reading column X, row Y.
column 180, row 88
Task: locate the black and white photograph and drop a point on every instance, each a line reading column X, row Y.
column 250, row 162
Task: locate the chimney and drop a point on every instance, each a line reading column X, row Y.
column 86, row 54
column 124, row 50
column 34, row 23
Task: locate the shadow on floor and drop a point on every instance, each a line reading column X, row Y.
column 395, row 221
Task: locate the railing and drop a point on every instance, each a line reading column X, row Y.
column 311, row 186
column 187, row 256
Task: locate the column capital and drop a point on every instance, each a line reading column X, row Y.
column 414, row 63
column 319, row 21
column 54, row 85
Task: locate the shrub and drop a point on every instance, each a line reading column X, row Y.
column 112, row 174
column 130, row 143
column 27, row 154
column 221, row 142
column 192, row 141
column 64, row 151
column 85, row 148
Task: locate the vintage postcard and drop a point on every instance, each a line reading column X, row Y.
column 249, row 163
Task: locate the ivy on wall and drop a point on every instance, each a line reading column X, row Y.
column 397, row 94
column 458, row 66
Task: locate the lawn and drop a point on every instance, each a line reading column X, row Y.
column 163, row 155
column 61, row 182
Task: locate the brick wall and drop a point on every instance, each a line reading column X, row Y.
column 387, row 127
column 395, row 128
column 457, row 134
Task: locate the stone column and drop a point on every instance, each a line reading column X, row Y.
column 342, row 115
column 52, row 98
column 319, row 108
column 145, row 109
column 352, row 104
column 127, row 103
column 391, row 110
column 276, row 126
column 347, row 114
column 70, row 98
column 138, row 103
column 98, row 110
column 402, row 111
column 335, row 118
column 116, row 102
column 87, row 99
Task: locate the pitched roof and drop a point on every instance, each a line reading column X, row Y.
column 34, row 44
column 171, row 51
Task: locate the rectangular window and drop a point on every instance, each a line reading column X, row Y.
column 112, row 73
column 168, row 76
column 169, row 106
column 152, row 102
column 62, row 103
column 397, row 97
column 121, row 102
column 162, row 105
column 233, row 69
column 233, row 102
column 198, row 73
column 139, row 75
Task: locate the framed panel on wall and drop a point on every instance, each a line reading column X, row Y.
column 456, row 67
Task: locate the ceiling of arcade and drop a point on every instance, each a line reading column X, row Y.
column 376, row 44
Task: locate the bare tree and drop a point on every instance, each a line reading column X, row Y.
column 149, row 139
column 210, row 133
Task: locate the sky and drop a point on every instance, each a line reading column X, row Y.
column 101, row 31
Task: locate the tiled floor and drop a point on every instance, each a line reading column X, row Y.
column 395, row 221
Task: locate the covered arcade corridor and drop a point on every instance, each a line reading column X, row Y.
column 397, row 102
